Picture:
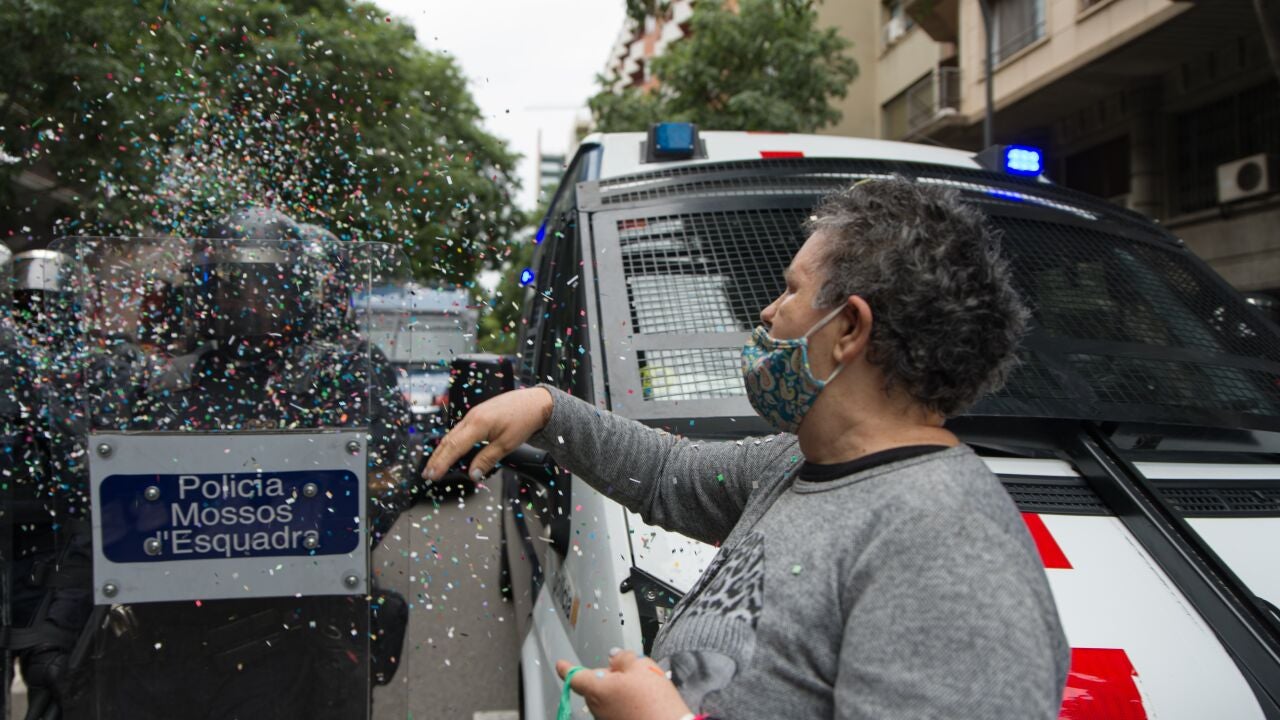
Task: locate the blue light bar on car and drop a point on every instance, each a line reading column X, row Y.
column 1022, row 160
column 672, row 141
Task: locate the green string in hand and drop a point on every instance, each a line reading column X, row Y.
column 565, row 712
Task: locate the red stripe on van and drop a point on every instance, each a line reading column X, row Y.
column 1100, row 684
column 780, row 154
column 1050, row 554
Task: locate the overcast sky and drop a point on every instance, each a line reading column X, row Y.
column 531, row 63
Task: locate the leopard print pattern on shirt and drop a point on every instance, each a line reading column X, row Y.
column 730, row 591
column 733, row 586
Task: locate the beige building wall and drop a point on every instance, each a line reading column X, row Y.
column 886, row 69
column 912, row 57
column 1072, row 39
column 859, row 22
column 1244, row 250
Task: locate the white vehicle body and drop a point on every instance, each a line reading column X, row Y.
column 1148, row 639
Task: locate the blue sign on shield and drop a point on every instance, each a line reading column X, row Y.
column 155, row 518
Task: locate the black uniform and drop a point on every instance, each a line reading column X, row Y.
column 46, row 534
column 48, row 401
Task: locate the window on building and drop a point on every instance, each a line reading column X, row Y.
column 1017, row 24
column 1102, row 170
column 1236, row 126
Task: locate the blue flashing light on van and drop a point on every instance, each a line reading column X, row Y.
column 672, row 141
column 674, row 138
column 1022, row 160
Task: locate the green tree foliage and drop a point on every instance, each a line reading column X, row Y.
column 638, row 10
column 766, row 67
column 153, row 116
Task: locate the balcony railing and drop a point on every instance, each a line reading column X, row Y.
column 935, row 95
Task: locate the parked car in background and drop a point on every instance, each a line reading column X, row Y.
column 1140, row 435
column 422, row 330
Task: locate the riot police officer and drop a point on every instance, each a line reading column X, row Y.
column 23, row 468
column 48, row 533
column 43, row 306
column 256, row 366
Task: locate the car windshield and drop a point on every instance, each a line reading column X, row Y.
column 1127, row 324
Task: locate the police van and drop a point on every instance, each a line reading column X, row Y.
column 1139, row 436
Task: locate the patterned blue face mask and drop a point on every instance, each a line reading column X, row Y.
column 780, row 384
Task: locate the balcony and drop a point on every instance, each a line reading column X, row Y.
column 939, row 18
column 930, row 104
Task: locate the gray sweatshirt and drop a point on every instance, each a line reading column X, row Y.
column 909, row 590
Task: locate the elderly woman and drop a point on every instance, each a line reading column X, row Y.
column 870, row 565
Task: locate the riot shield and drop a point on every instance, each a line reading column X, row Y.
column 226, row 448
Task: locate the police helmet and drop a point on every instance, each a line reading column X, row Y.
column 252, row 279
column 42, row 271
column 42, row 293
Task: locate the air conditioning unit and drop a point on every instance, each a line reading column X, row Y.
column 1244, row 178
column 894, row 29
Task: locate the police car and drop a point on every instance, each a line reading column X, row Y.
column 1139, row 435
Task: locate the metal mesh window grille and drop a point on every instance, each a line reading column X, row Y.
column 1087, row 284
column 814, row 177
column 1169, row 383
column 690, row 374
column 706, row 272
column 713, row 272
column 811, row 166
column 1105, row 305
column 1031, row 380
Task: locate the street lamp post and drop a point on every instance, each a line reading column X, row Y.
column 988, row 120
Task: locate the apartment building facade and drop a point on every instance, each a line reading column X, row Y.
column 1168, row 107
column 638, row 43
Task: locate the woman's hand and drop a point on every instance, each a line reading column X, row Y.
column 632, row 688
column 504, row 421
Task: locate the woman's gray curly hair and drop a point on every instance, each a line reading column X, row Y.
column 947, row 319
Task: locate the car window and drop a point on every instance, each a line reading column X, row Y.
column 554, row 347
